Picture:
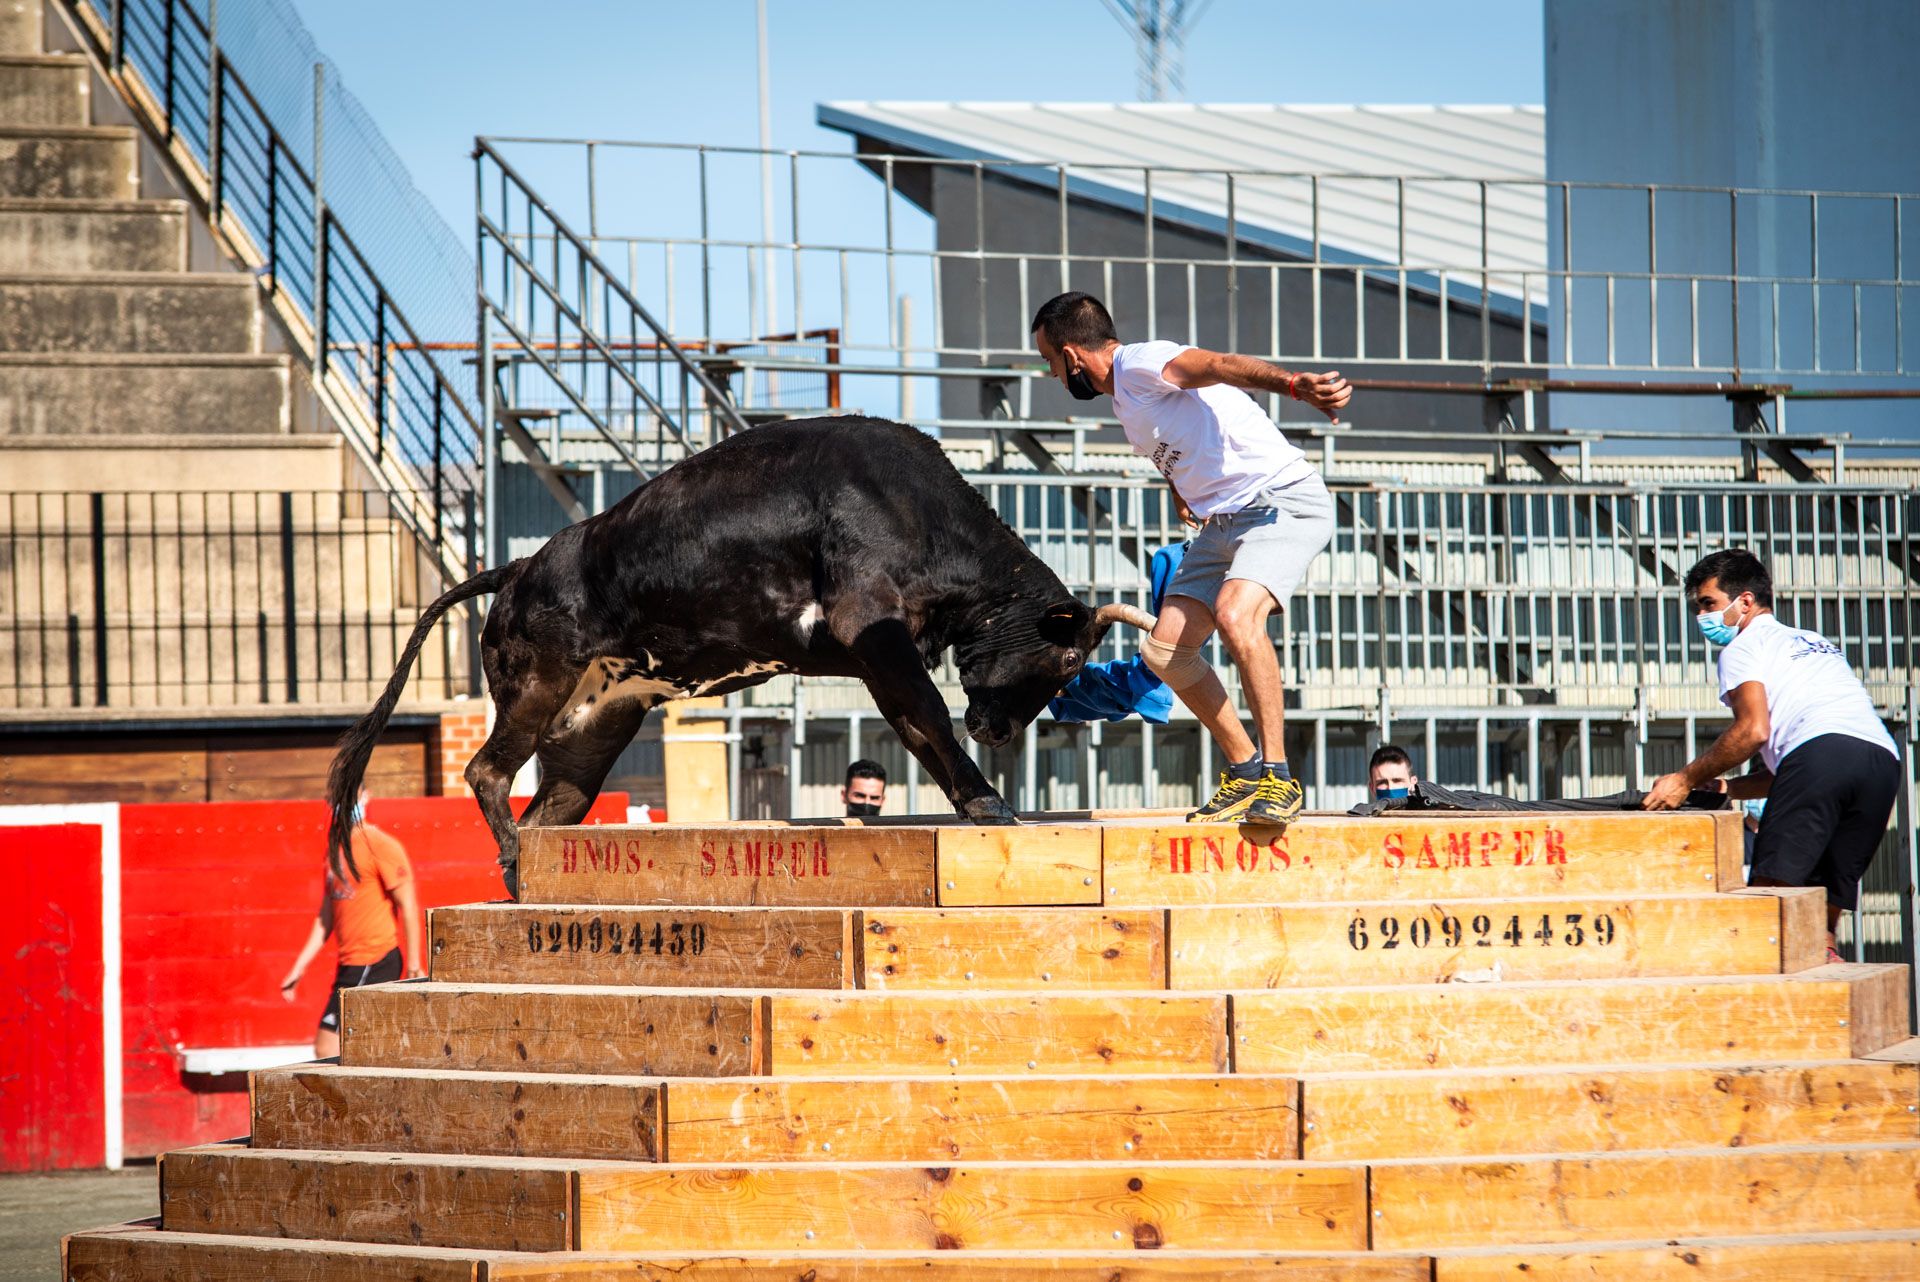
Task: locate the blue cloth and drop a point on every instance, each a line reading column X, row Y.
column 1123, row 688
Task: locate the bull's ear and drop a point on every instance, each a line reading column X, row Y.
column 1062, row 622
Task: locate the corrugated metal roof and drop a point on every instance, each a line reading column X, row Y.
column 1365, row 157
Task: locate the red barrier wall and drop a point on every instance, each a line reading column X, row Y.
column 52, row 1081
column 216, row 900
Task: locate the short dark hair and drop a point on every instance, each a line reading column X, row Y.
column 1080, row 319
column 864, row 769
column 1738, row 570
column 1388, row 754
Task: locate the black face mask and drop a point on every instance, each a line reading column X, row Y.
column 862, row 810
column 1079, row 386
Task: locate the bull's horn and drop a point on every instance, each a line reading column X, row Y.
column 1121, row 612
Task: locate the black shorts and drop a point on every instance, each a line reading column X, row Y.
column 384, row 971
column 1826, row 813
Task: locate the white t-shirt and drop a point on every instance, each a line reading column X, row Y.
column 1215, row 444
column 1810, row 689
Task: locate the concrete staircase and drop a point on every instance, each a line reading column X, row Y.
column 108, row 343
column 1455, row 1049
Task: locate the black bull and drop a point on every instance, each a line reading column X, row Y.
column 826, row 547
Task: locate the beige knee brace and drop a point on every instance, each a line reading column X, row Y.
column 1180, row 666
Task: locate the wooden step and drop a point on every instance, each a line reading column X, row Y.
column 1827, row 1013
column 863, row 1034
column 1607, row 1109
column 1058, row 948
column 703, row 947
column 397, row 1110
column 1427, row 1206
column 825, row 866
column 1324, row 858
column 416, row 1199
column 139, row 1253
column 145, row 1254
column 1827, row 1257
column 552, row 1029
column 1008, row 1118
column 985, row 1206
column 1307, row 945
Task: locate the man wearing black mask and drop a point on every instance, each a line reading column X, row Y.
column 866, row 789
column 1262, row 510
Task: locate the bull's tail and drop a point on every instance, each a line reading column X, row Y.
column 355, row 748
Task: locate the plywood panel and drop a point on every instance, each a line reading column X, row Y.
column 830, row 867
column 420, row 1200
column 1635, row 1197
column 155, row 1256
column 706, row 947
column 548, row 1029
column 863, row 1034
column 1028, row 948
column 1608, row 1110
column 1831, row 1258
column 974, row 1266
column 1293, row 945
column 1029, row 864
column 1058, row 1207
column 440, row 1111
column 1456, row 1026
column 1328, row 858
column 968, row 1119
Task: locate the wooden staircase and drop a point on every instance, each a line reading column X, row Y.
column 1453, row 1049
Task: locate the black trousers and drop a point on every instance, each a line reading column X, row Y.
column 1826, row 812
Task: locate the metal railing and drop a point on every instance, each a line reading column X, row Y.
column 562, row 313
column 217, row 600
column 1600, row 277
column 409, row 423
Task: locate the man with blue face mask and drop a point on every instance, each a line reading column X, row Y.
column 1390, row 774
column 1830, row 770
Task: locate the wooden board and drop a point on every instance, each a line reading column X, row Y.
column 705, row 947
column 151, row 1255
column 1619, row 1021
column 1391, row 942
column 398, row 1110
column 863, row 1034
column 1057, row 1207
column 831, row 867
column 1607, row 1110
column 1632, row 1197
column 1322, row 858
column 971, row 1119
column 1002, row 948
column 418, row 1200
column 1879, row 1016
column 1829, row 1258
column 1803, row 924
column 1029, row 864
column 550, row 1028
column 973, row 1266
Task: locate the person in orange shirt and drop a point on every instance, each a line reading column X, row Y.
column 362, row 911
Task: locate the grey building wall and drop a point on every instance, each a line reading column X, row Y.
column 982, row 302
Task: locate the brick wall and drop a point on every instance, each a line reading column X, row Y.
column 461, row 734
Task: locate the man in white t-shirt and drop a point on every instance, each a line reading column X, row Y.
column 1263, row 513
column 1829, row 769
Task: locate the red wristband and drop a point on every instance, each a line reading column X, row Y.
column 1293, row 386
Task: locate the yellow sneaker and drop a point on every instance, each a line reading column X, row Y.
column 1275, row 800
column 1229, row 801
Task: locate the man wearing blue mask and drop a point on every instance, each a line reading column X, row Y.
column 1390, row 774
column 1830, row 770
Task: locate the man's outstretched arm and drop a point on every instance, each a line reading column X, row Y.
column 1198, row 367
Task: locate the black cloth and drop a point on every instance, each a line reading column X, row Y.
column 384, row 971
column 1431, row 796
column 1826, row 812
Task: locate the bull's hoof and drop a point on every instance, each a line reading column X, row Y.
column 510, row 874
column 988, row 811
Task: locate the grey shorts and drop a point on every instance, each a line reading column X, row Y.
column 1271, row 541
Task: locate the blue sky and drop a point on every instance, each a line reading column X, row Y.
column 434, row 75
